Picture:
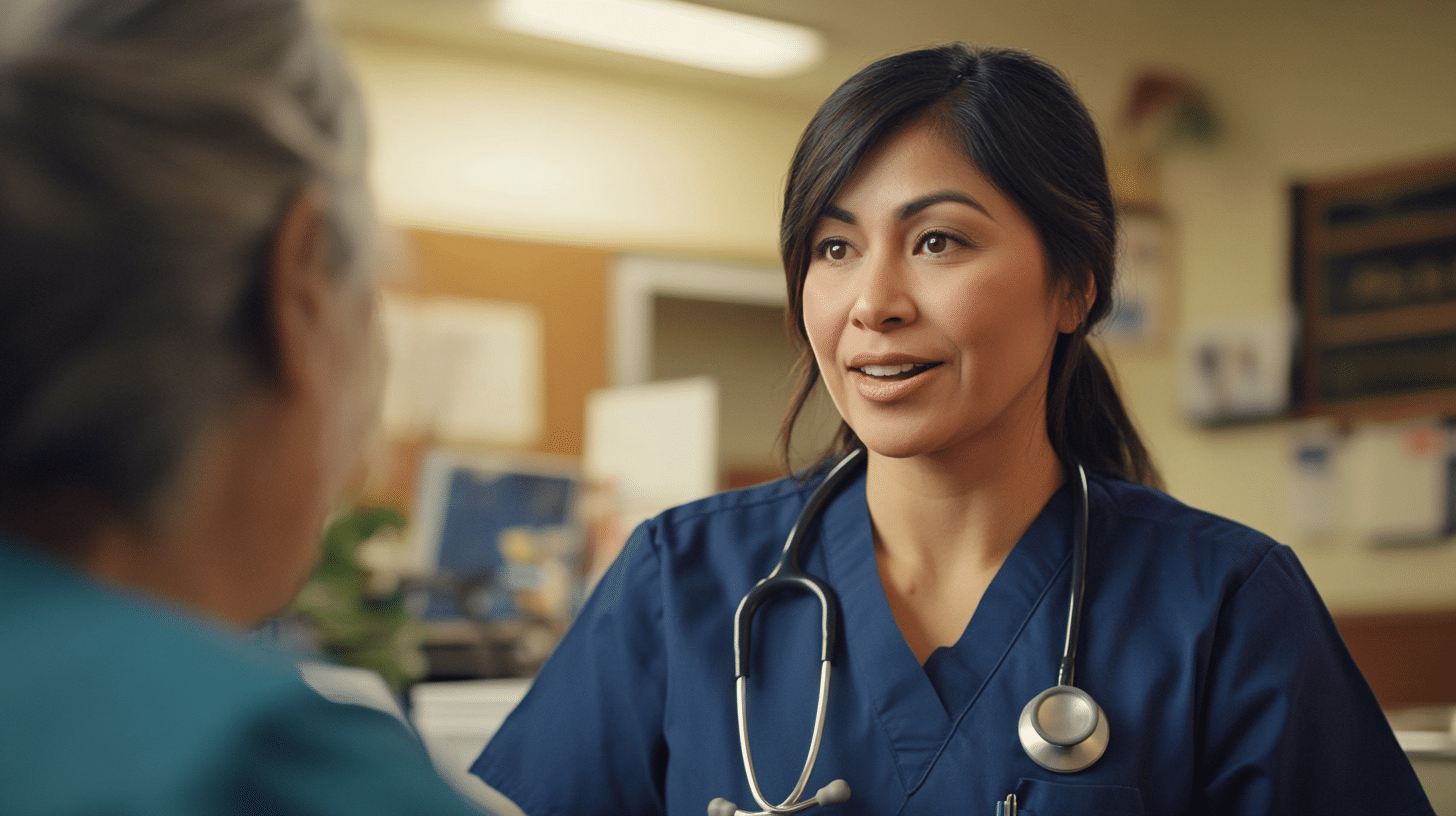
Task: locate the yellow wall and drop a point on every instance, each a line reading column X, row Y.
column 1304, row 90
column 523, row 152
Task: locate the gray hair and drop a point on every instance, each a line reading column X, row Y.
column 148, row 149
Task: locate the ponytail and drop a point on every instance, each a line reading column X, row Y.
column 1086, row 420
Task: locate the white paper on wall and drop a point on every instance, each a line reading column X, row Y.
column 1397, row 477
column 463, row 370
column 656, row 443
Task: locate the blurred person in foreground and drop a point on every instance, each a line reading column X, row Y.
column 187, row 367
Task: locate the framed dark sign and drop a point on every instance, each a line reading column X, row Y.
column 1375, row 279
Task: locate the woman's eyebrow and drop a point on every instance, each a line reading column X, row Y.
column 913, row 207
column 944, row 195
column 838, row 214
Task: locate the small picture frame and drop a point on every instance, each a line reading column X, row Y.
column 1143, row 286
column 1237, row 368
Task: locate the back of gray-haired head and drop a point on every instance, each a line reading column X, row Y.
column 148, row 149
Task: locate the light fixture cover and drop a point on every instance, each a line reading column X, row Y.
column 668, row 30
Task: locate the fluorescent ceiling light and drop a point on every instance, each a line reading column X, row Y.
column 668, row 30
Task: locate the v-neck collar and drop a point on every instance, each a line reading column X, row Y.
column 919, row 714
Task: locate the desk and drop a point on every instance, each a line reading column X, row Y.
column 456, row 719
column 1428, row 736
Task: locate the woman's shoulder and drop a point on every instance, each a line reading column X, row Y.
column 1198, row 565
column 749, row 522
column 757, row 502
column 1147, row 520
column 158, row 708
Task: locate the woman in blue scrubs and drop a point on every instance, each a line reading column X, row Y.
column 948, row 236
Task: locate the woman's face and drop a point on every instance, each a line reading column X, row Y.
column 928, row 305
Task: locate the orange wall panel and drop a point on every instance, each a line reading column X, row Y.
column 567, row 285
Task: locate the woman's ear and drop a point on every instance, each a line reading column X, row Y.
column 301, row 279
column 1076, row 305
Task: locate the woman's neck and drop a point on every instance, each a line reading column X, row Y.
column 944, row 523
column 956, row 503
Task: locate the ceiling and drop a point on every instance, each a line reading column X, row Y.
column 856, row 31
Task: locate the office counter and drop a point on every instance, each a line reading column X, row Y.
column 1428, row 735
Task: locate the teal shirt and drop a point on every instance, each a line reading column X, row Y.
column 114, row 704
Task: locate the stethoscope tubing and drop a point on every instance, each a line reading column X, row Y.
column 787, row 572
column 1067, row 669
column 791, row 804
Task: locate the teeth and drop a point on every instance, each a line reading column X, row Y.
column 889, row 371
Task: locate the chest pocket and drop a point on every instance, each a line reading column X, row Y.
column 1037, row 797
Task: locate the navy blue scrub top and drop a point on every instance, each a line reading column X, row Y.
column 1226, row 686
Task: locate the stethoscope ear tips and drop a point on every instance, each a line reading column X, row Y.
column 721, row 807
column 1063, row 729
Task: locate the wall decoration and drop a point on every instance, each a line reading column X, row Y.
column 463, row 370
column 1142, row 294
column 1375, row 275
column 1237, row 368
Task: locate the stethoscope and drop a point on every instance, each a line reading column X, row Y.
column 1062, row 729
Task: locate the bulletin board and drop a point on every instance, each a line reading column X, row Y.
column 1375, row 277
column 565, row 285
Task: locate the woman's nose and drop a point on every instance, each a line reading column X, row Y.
column 883, row 302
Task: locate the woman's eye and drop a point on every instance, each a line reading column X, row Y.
column 834, row 250
column 935, row 243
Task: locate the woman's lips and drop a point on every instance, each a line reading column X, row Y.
column 888, row 382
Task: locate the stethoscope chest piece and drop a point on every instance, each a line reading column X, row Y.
column 1063, row 729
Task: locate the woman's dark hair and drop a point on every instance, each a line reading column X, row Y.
column 1022, row 126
